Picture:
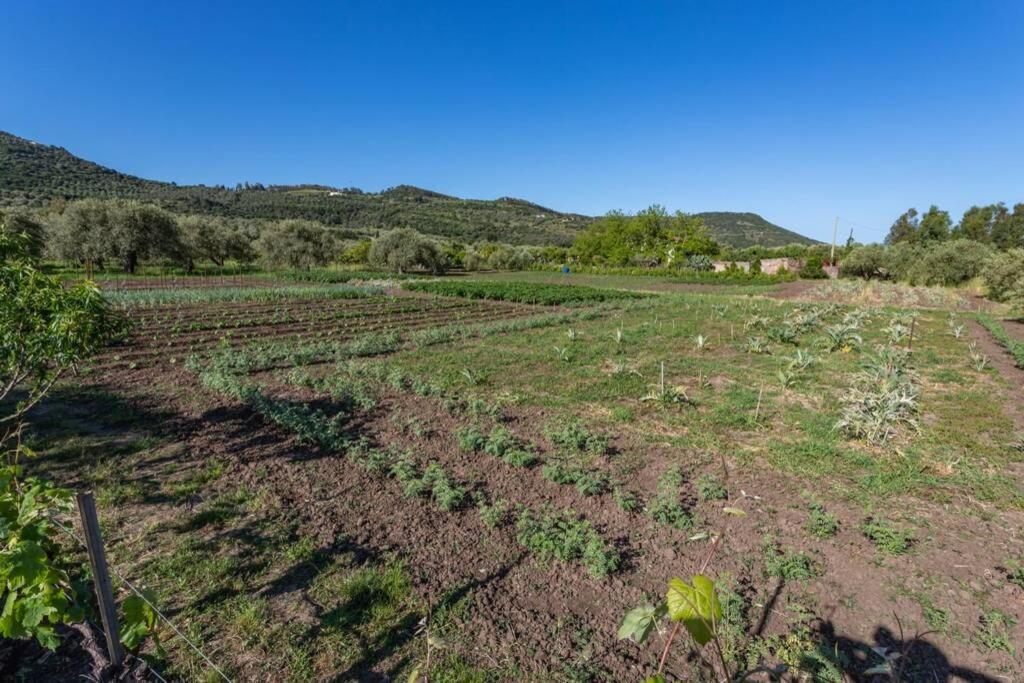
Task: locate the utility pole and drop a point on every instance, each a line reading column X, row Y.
column 835, row 231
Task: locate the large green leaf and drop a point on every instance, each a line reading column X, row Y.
column 695, row 605
column 640, row 621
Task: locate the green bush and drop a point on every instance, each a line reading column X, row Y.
column 1004, row 277
column 949, row 263
column 813, row 268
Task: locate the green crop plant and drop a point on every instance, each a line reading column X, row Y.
column 470, row 439
column 564, row 536
column 574, row 436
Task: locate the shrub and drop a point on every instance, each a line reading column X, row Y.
column 575, row 436
column 1004, row 277
column 950, row 263
column 867, row 261
column 813, row 268
column 787, row 565
column 470, row 439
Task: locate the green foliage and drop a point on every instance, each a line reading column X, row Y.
column 787, row 565
column 822, row 523
column 470, row 439
column 297, row 244
column 652, row 237
column 628, row 501
column 883, row 398
column 709, row 488
column 994, row 631
column 521, row 292
column 696, row 605
column 45, row 328
column 949, row 263
column 887, row 537
column 574, row 436
column 1004, row 277
column 138, row 620
column 868, row 261
column 122, row 232
column 587, row 482
column 404, row 249
column 564, row 536
column 813, row 268
column 37, row 589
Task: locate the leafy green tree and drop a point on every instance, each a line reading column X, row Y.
column 22, row 223
column 404, row 249
column 935, row 225
column 651, row 236
column 45, row 330
column 949, row 263
column 867, row 261
column 1004, row 277
column 216, row 240
column 976, row 223
column 125, row 232
column 1008, row 228
column 297, row 244
column 904, row 229
column 357, row 253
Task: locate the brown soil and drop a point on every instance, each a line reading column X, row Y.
column 530, row 614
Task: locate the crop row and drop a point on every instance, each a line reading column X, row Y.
column 548, row 534
column 158, row 297
column 521, row 292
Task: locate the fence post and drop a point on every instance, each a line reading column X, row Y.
column 100, row 575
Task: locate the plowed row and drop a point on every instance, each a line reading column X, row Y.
column 171, row 334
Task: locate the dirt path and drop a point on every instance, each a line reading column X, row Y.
column 1004, row 363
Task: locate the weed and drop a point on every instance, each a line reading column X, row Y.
column 709, row 488
column 628, row 501
column 887, row 537
column 822, row 524
column 993, row 631
column 787, row 565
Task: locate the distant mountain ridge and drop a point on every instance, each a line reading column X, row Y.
column 33, row 174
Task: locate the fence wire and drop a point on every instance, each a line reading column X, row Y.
column 156, row 610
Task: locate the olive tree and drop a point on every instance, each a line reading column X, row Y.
column 216, row 240
column 297, row 244
column 124, row 232
column 404, row 249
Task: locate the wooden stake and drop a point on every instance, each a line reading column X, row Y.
column 101, row 576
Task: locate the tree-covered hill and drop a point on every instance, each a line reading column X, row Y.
column 34, row 174
column 749, row 229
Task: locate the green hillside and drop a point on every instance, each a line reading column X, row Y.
column 33, row 174
column 749, row 229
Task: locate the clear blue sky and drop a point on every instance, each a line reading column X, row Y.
column 796, row 110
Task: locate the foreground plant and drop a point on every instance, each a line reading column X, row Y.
column 693, row 606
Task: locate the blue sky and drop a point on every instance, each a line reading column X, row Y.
column 800, row 111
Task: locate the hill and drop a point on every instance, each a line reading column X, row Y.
column 749, row 229
column 34, row 174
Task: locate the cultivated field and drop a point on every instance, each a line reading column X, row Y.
column 334, row 482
